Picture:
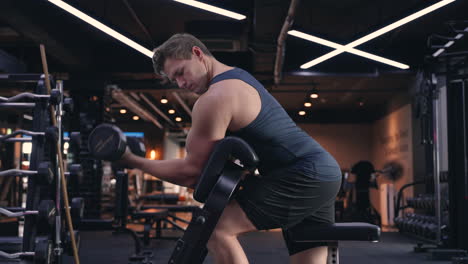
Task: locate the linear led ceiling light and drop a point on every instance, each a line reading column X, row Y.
column 377, row 33
column 449, row 43
column 70, row 9
column 213, row 9
column 347, row 49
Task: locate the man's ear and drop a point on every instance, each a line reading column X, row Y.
column 196, row 51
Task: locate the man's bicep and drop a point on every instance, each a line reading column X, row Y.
column 198, row 150
column 210, row 121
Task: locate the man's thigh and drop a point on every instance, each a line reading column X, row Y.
column 284, row 198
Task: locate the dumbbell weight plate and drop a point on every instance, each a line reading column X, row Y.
column 76, row 173
column 75, row 142
column 77, row 210
column 45, row 173
column 68, row 105
column 55, row 97
column 136, row 146
column 43, row 251
column 52, row 134
column 47, row 213
column 107, row 142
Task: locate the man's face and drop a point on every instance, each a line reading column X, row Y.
column 189, row 74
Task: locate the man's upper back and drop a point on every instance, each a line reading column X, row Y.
column 260, row 120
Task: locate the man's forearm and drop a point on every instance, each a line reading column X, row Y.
column 177, row 171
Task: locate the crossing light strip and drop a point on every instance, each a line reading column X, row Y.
column 376, row 34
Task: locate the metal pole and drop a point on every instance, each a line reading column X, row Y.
column 436, row 164
column 58, row 201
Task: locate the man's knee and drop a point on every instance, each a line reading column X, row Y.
column 234, row 221
column 218, row 239
column 224, row 230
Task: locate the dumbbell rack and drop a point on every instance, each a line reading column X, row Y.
column 446, row 112
column 429, row 221
column 424, row 224
column 447, row 204
column 43, row 233
column 90, row 187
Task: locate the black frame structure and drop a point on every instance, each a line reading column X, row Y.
column 457, row 118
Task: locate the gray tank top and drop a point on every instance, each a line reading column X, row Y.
column 278, row 141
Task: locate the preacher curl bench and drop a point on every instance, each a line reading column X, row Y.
column 218, row 183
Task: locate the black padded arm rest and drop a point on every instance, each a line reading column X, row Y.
column 224, row 149
column 339, row 232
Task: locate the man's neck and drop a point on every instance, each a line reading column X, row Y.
column 215, row 67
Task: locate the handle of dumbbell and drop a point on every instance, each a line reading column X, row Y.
column 21, row 96
column 21, row 132
column 15, row 139
column 15, row 255
column 18, row 214
column 16, row 172
column 60, row 161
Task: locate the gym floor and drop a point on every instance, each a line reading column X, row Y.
column 261, row 247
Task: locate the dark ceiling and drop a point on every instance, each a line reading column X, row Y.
column 78, row 51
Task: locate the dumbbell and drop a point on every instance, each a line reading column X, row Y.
column 68, row 105
column 54, row 98
column 443, row 176
column 430, row 202
column 77, row 207
column 108, row 142
column 42, row 253
column 423, row 202
column 418, row 220
column 398, row 222
column 45, row 213
column 424, row 222
column 404, row 222
column 44, row 172
column 50, row 133
column 418, row 203
column 430, row 230
column 412, row 224
column 74, row 143
column 420, row 225
column 409, row 224
column 74, row 173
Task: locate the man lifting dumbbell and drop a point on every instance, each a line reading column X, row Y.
column 300, row 179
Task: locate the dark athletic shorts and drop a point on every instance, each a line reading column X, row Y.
column 288, row 200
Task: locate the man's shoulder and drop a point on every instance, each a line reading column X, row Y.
column 228, row 85
column 223, row 90
column 214, row 97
